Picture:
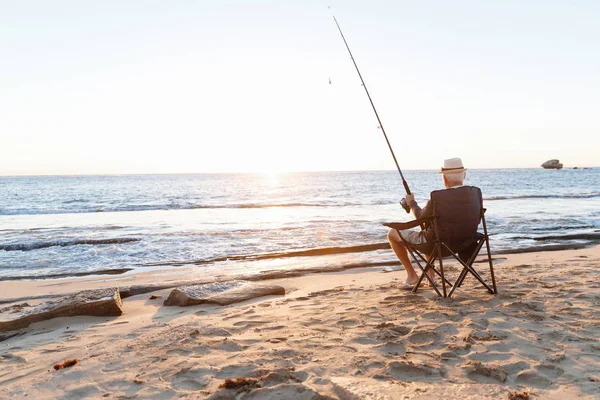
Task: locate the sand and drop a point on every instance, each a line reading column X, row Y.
column 347, row 335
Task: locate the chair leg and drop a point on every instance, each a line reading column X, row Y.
column 432, row 267
column 442, row 270
column 463, row 274
column 425, row 275
column 487, row 245
column 459, row 280
column 428, row 265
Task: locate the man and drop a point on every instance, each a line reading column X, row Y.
column 453, row 174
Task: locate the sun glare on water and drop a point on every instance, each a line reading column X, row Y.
column 272, row 176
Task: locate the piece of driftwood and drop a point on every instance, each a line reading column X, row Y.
column 233, row 292
column 96, row 302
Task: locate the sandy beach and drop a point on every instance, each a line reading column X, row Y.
column 346, row 335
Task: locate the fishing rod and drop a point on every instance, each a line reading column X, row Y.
column 403, row 202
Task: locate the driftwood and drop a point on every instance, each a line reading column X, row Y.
column 220, row 293
column 97, row 302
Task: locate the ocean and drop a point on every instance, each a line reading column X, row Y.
column 58, row 226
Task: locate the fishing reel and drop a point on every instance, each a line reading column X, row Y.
column 405, row 205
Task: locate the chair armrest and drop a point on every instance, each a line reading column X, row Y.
column 407, row 225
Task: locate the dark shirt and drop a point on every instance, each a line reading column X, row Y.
column 453, row 229
column 426, row 211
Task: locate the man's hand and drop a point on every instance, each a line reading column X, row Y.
column 410, row 198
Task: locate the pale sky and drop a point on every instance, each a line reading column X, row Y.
column 93, row 87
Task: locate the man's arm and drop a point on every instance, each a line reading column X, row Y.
column 418, row 212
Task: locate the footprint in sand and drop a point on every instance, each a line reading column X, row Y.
column 485, row 373
column 237, row 315
column 348, row 323
column 277, row 340
column 200, row 350
column 489, row 356
column 179, row 352
column 112, row 367
column 372, row 315
column 301, row 306
column 423, row 338
column 364, row 340
column 346, row 349
column 487, row 336
column 211, row 331
column 533, row 378
column 388, row 330
column 248, row 324
column 408, row 371
column 192, row 378
column 479, row 324
column 515, row 367
column 550, row 371
column 312, row 322
column 390, row 299
column 435, row 316
column 246, row 370
column 227, row 345
column 392, row 347
column 285, row 353
column 118, row 323
column 57, row 350
column 12, row 359
column 283, row 391
column 273, row 328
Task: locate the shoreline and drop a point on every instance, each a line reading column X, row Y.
column 134, row 282
column 332, row 334
column 593, row 239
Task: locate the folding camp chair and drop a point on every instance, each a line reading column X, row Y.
column 452, row 232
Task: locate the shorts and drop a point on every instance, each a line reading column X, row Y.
column 413, row 237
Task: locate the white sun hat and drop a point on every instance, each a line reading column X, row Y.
column 452, row 166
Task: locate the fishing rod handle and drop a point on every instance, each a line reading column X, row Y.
column 405, row 205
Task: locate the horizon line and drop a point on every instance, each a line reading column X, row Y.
column 263, row 172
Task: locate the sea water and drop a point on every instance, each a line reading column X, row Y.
column 54, row 226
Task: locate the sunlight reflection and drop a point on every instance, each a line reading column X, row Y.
column 272, row 177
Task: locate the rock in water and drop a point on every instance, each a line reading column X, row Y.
column 205, row 294
column 96, row 302
column 552, row 164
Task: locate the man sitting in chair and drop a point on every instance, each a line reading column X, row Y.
column 453, row 174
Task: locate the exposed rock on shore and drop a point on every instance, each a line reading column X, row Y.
column 97, row 302
column 552, row 164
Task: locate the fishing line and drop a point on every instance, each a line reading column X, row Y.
column 403, row 202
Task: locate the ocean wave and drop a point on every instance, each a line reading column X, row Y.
column 573, row 236
column 545, row 196
column 320, row 251
column 64, row 243
column 561, row 228
column 169, row 207
column 325, row 251
column 115, row 271
column 78, row 208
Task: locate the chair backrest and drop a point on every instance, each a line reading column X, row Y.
column 458, row 213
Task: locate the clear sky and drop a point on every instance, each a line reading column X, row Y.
column 230, row 86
